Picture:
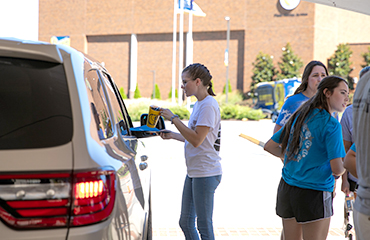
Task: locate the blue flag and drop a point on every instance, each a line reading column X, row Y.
column 188, row 5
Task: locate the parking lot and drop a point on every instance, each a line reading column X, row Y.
column 245, row 199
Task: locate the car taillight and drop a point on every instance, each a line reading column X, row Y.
column 29, row 201
column 94, row 195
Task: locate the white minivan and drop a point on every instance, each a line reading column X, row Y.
column 71, row 166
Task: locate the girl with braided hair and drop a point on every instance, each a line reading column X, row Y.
column 202, row 146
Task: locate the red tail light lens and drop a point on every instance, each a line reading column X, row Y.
column 35, row 200
column 32, row 201
column 94, row 195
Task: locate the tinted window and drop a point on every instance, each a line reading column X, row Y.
column 34, row 104
column 99, row 106
column 120, row 117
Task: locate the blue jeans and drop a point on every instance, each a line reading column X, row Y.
column 197, row 203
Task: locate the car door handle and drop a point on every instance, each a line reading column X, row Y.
column 143, row 166
column 144, row 158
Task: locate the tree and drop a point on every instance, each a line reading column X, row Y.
column 170, row 94
column 157, row 93
column 290, row 64
column 263, row 70
column 122, row 92
column 339, row 63
column 366, row 57
column 137, row 92
column 228, row 87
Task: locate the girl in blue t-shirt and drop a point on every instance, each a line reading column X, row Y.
column 313, row 73
column 311, row 147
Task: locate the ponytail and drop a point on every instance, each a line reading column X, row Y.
column 210, row 90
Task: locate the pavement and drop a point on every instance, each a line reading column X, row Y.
column 244, row 201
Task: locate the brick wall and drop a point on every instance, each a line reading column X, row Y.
column 103, row 30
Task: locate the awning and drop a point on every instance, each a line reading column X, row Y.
column 361, row 6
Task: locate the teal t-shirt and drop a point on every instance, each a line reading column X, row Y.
column 353, row 147
column 320, row 141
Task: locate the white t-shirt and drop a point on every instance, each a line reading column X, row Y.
column 204, row 161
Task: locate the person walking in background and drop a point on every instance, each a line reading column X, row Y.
column 311, row 148
column 361, row 133
column 202, row 146
column 313, row 73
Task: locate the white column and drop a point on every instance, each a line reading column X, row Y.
column 174, row 52
column 133, row 65
column 189, row 50
column 181, row 50
column 189, row 42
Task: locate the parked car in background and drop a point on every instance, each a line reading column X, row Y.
column 71, row 166
column 272, row 95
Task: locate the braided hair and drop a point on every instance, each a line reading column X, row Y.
column 200, row 71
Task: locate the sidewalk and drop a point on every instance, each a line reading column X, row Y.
column 237, row 233
column 244, row 201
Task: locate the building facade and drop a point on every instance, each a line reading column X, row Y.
column 134, row 38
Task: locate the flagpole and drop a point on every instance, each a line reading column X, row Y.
column 174, row 52
column 189, row 41
column 189, row 50
column 181, row 49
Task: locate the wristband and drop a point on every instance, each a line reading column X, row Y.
column 174, row 116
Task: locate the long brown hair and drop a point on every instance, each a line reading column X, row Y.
column 200, row 71
column 306, row 73
column 290, row 134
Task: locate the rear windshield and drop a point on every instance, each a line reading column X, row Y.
column 35, row 109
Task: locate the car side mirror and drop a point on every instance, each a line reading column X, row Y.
column 160, row 124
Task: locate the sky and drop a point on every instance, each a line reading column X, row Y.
column 19, row 19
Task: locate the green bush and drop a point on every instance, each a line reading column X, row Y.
column 253, row 114
column 182, row 112
column 170, row 94
column 135, row 110
column 137, row 92
column 228, row 111
column 232, row 98
column 122, row 92
column 231, row 111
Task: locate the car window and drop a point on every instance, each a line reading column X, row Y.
column 35, row 104
column 98, row 105
column 118, row 113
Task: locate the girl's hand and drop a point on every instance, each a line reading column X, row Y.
column 166, row 113
column 345, row 187
column 166, row 135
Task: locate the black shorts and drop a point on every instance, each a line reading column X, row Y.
column 304, row 205
column 352, row 185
